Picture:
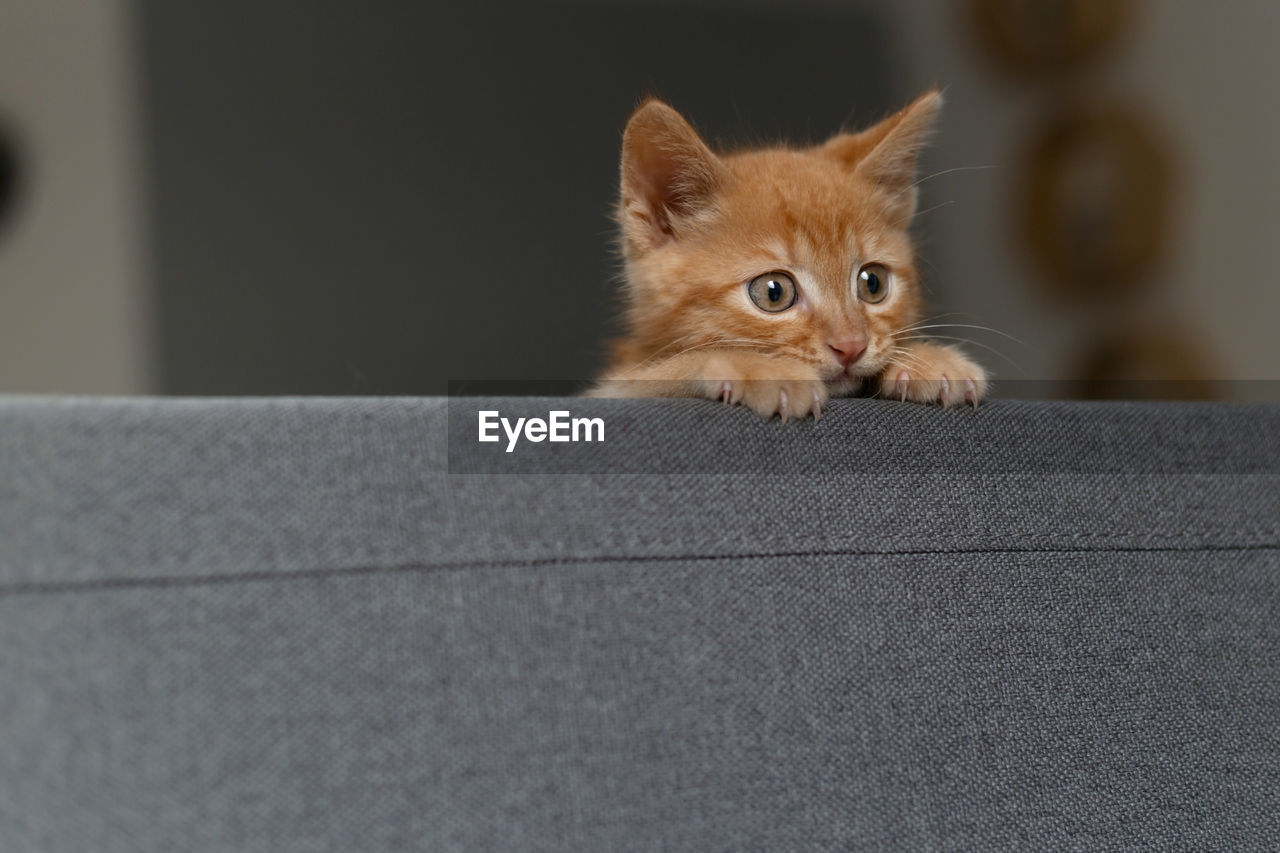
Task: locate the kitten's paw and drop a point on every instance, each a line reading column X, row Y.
column 932, row 373
column 767, row 385
column 786, row 398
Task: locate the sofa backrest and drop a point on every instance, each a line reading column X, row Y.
column 347, row 624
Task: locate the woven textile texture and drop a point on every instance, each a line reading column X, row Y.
column 301, row 625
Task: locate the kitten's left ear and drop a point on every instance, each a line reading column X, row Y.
column 886, row 153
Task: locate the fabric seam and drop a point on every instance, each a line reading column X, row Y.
column 341, row 572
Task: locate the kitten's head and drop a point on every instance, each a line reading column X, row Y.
column 803, row 253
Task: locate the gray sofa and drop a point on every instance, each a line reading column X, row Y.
column 302, row 625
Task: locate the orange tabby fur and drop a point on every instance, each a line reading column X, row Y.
column 697, row 227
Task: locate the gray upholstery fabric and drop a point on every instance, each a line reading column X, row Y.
column 296, row 625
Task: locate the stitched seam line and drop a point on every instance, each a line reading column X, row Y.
column 342, row 572
column 1268, row 535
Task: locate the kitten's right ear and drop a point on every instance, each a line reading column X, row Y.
column 886, row 153
column 668, row 174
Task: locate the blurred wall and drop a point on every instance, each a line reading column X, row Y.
column 366, row 200
column 329, row 188
column 73, row 289
column 1213, row 71
column 1206, row 74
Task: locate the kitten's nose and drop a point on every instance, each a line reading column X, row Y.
column 848, row 350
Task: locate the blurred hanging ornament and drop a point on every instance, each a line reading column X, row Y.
column 8, row 175
column 1142, row 359
column 1093, row 201
column 1042, row 37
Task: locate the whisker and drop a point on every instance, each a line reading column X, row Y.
column 955, row 169
column 743, row 343
column 904, row 356
column 897, row 222
column 929, row 319
column 938, row 206
column 661, row 350
column 969, row 326
column 1015, row 365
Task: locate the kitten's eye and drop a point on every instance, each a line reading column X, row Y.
column 873, row 283
column 772, row 292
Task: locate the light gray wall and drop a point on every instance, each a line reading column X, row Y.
column 73, row 291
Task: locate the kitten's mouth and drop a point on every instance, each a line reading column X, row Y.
column 843, row 384
column 860, row 369
column 863, row 368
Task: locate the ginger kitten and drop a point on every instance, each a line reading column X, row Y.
column 778, row 277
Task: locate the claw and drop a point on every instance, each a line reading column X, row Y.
column 726, row 392
column 944, row 392
column 782, row 405
column 971, row 392
column 900, row 387
column 817, row 406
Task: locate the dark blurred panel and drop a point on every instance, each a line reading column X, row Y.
column 375, row 198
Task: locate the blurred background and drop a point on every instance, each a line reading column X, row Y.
column 323, row 197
